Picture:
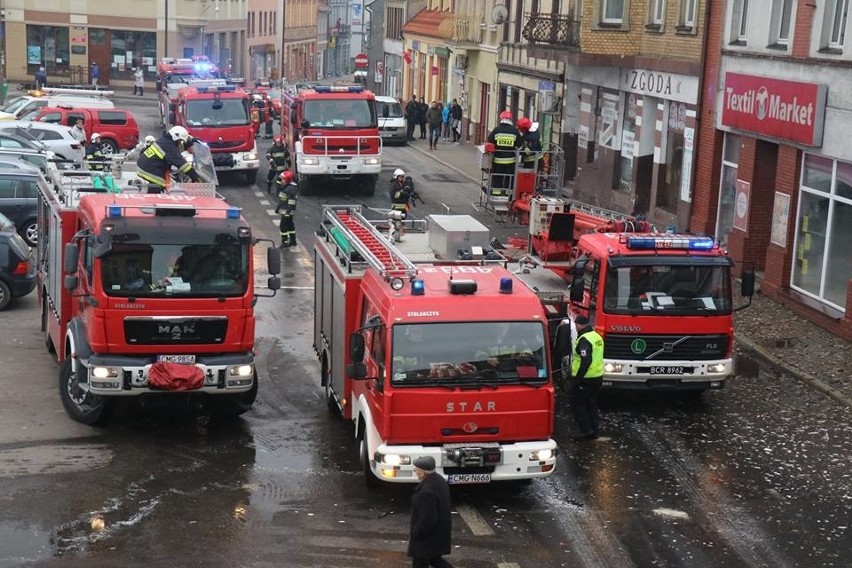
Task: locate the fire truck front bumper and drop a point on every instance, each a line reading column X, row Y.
column 339, row 166
column 116, row 375
column 667, row 375
column 468, row 463
column 236, row 161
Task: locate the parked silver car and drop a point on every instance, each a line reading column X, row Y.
column 54, row 137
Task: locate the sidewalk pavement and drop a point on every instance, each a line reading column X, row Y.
column 766, row 330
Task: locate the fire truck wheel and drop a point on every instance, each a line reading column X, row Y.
column 370, row 479
column 251, row 177
column 329, row 400
column 82, row 406
column 305, row 186
column 5, row 295
column 226, row 406
column 369, row 184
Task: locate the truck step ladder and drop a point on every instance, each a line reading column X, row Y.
column 363, row 236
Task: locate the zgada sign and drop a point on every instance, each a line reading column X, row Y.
column 788, row 110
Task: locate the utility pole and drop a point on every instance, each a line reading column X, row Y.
column 166, row 50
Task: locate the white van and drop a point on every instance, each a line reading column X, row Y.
column 391, row 120
column 20, row 107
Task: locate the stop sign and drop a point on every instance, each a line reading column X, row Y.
column 361, row 61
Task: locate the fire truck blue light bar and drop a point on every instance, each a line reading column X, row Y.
column 670, row 242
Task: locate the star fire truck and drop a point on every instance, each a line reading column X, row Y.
column 662, row 302
column 406, row 336
column 335, row 133
column 218, row 113
column 129, row 282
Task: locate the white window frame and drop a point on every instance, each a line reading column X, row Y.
column 658, row 12
column 835, row 42
column 782, row 9
column 689, row 12
column 742, row 21
column 728, row 139
column 605, row 20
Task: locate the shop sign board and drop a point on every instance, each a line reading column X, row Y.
column 668, row 86
column 741, row 202
column 787, row 110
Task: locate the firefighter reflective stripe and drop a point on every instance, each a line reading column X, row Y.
column 185, row 168
column 504, row 143
column 505, row 140
column 595, row 370
column 154, row 151
column 151, row 178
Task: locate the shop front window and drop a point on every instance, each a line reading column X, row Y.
column 822, row 266
column 670, row 182
column 728, row 187
column 47, row 46
column 129, row 49
column 625, row 169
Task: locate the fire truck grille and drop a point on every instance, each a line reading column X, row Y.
column 151, row 331
column 665, row 347
column 224, row 145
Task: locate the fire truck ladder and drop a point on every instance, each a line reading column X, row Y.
column 367, row 241
column 600, row 212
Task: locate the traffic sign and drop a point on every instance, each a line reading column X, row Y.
column 380, row 71
column 361, row 61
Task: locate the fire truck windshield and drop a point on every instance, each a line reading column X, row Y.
column 206, row 113
column 340, row 113
column 185, row 270
column 667, row 289
column 468, row 354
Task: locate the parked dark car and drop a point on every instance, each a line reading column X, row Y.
column 17, row 264
column 19, row 200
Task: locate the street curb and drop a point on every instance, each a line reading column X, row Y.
column 446, row 164
column 745, row 344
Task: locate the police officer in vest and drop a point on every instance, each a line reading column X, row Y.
column 506, row 140
column 586, row 379
column 278, row 156
column 287, row 193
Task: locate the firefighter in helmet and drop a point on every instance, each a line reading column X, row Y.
column 95, row 157
column 287, row 193
column 530, row 143
column 155, row 163
column 400, row 192
column 506, row 140
column 278, row 157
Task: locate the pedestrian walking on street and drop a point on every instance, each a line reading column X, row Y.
column 95, row 74
column 422, row 109
column 138, row 81
column 435, row 121
column 431, row 518
column 445, row 123
column 40, row 78
column 586, row 378
column 411, row 117
column 456, row 117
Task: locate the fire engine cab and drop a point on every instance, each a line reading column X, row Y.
column 662, row 302
column 134, row 285
column 335, row 133
column 217, row 113
column 413, row 352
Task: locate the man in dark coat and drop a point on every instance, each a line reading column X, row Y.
column 422, row 109
column 411, row 117
column 431, row 520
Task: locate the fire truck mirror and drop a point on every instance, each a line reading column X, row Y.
column 356, row 347
column 71, row 282
column 577, row 289
column 72, row 257
column 747, row 285
column 273, row 283
column 273, row 260
column 356, row 371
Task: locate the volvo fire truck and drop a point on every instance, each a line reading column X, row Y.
column 335, row 133
column 412, row 351
column 216, row 112
column 134, row 284
column 662, row 302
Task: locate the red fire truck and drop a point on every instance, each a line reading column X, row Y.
column 130, row 281
column 662, row 302
column 218, row 114
column 413, row 352
column 335, row 133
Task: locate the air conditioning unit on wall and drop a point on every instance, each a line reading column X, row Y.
column 461, row 61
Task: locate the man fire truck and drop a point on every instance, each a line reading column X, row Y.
column 662, row 302
column 148, row 294
column 407, row 342
column 216, row 113
column 335, row 133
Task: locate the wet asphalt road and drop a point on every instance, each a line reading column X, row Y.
column 757, row 475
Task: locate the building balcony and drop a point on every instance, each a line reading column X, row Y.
column 552, row 30
column 466, row 30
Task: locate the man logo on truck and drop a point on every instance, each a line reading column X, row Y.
column 176, row 330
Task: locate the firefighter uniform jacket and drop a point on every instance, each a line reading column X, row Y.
column 156, row 160
column 506, row 139
column 280, row 155
column 530, row 148
column 95, row 157
column 287, row 195
column 399, row 195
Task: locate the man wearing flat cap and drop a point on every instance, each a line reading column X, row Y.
column 431, row 520
column 586, row 378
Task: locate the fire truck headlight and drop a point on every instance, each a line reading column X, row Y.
column 241, row 371
column 372, row 161
column 310, row 161
column 393, row 459
column 716, row 368
column 541, row 455
column 613, row 367
column 103, row 372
